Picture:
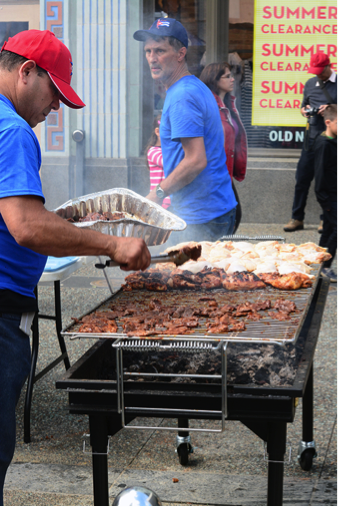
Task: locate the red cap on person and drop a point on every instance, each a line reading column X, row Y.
column 49, row 53
column 318, row 62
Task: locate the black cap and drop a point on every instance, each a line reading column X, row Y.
column 164, row 27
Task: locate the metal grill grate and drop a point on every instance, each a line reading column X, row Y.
column 267, row 330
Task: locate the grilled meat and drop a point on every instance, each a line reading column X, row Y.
column 242, row 281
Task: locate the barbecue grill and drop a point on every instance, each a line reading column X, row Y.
column 112, row 402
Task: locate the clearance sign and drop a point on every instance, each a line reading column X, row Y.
column 287, row 33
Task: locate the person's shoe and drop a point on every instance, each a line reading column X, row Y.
column 330, row 274
column 320, row 228
column 294, row 225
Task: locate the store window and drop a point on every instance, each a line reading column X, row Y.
column 11, row 28
column 249, row 20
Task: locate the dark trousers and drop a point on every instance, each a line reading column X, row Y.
column 328, row 239
column 238, row 209
column 304, row 175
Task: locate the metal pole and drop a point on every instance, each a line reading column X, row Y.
column 79, row 138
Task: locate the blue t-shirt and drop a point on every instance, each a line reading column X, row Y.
column 20, row 160
column 190, row 110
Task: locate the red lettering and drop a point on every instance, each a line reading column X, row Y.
column 281, row 28
column 332, row 12
column 275, row 12
column 262, row 102
column 266, row 9
column 272, row 30
column 331, row 50
column 321, row 14
column 320, row 47
column 289, row 30
column 290, row 88
column 280, row 87
column 298, row 66
column 298, row 29
column 271, row 67
column 301, row 87
column 265, row 87
column 289, row 50
column 270, row 104
column 308, row 13
column 280, row 66
column 287, row 104
column 318, row 28
column 264, row 30
column 289, row 67
column 274, row 50
column 303, row 50
column 334, row 29
column 307, row 29
column 279, row 103
column 306, row 67
column 296, row 104
column 334, row 66
column 264, row 63
column 290, row 13
column 266, row 48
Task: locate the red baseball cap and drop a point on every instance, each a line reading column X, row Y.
column 318, row 62
column 49, row 53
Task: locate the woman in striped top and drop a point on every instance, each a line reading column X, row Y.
column 155, row 159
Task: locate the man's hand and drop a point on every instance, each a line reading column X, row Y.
column 152, row 196
column 131, row 253
column 322, row 109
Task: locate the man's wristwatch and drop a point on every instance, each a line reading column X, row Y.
column 160, row 192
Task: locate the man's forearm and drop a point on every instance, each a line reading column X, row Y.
column 181, row 176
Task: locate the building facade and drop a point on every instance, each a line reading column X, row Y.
column 101, row 146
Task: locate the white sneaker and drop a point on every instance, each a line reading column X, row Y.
column 330, row 274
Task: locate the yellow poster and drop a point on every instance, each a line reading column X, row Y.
column 286, row 34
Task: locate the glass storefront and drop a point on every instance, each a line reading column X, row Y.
column 241, row 41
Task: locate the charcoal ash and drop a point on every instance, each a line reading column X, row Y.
column 251, row 364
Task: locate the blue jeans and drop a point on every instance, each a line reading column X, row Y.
column 210, row 231
column 15, row 361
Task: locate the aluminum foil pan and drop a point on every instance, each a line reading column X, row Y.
column 146, row 220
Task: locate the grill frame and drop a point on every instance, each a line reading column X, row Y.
column 266, row 411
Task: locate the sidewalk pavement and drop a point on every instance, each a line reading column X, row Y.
column 225, row 469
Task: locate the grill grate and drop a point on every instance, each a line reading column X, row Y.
column 267, row 330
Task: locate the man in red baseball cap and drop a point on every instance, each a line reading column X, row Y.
column 35, row 74
column 319, row 91
column 49, row 53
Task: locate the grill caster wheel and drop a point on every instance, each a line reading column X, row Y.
column 183, row 454
column 305, row 459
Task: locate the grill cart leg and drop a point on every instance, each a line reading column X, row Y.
column 183, row 442
column 276, row 446
column 99, row 441
column 307, row 446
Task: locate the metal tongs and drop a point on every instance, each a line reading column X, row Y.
column 178, row 257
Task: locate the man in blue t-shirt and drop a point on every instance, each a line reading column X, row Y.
column 35, row 74
column 192, row 139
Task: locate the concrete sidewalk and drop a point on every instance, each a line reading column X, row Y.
column 225, row 469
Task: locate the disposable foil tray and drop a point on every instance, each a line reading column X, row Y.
column 145, row 219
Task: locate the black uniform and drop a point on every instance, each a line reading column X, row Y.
column 325, row 150
column 314, row 97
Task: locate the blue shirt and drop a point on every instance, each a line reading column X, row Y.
column 20, row 161
column 190, row 110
